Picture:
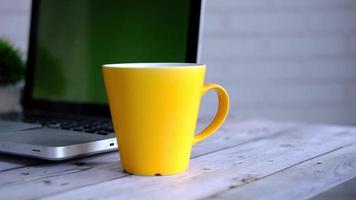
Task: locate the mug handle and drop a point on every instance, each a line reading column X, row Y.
column 221, row 114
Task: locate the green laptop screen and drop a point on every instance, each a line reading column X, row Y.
column 75, row 38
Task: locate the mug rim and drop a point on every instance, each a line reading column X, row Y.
column 153, row 65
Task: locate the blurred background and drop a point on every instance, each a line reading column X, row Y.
column 279, row 59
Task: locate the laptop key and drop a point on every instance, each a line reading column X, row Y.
column 77, row 129
column 89, row 131
column 102, row 133
column 53, row 125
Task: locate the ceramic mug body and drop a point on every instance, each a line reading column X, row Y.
column 154, row 109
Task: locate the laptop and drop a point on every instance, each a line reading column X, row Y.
column 65, row 111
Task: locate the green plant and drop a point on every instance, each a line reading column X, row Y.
column 11, row 64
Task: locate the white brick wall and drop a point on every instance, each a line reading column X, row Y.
column 279, row 59
column 284, row 59
column 15, row 22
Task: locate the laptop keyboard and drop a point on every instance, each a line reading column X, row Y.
column 100, row 126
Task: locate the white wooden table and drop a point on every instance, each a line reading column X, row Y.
column 252, row 159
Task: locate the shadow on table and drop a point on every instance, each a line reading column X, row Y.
column 9, row 162
column 344, row 191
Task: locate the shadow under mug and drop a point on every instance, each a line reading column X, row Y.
column 154, row 109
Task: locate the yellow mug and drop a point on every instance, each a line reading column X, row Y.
column 154, row 109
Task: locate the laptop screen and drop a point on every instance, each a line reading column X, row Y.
column 75, row 38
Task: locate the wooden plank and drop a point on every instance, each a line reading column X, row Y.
column 239, row 132
column 229, row 168
column 301, row 181
column 46, row 179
